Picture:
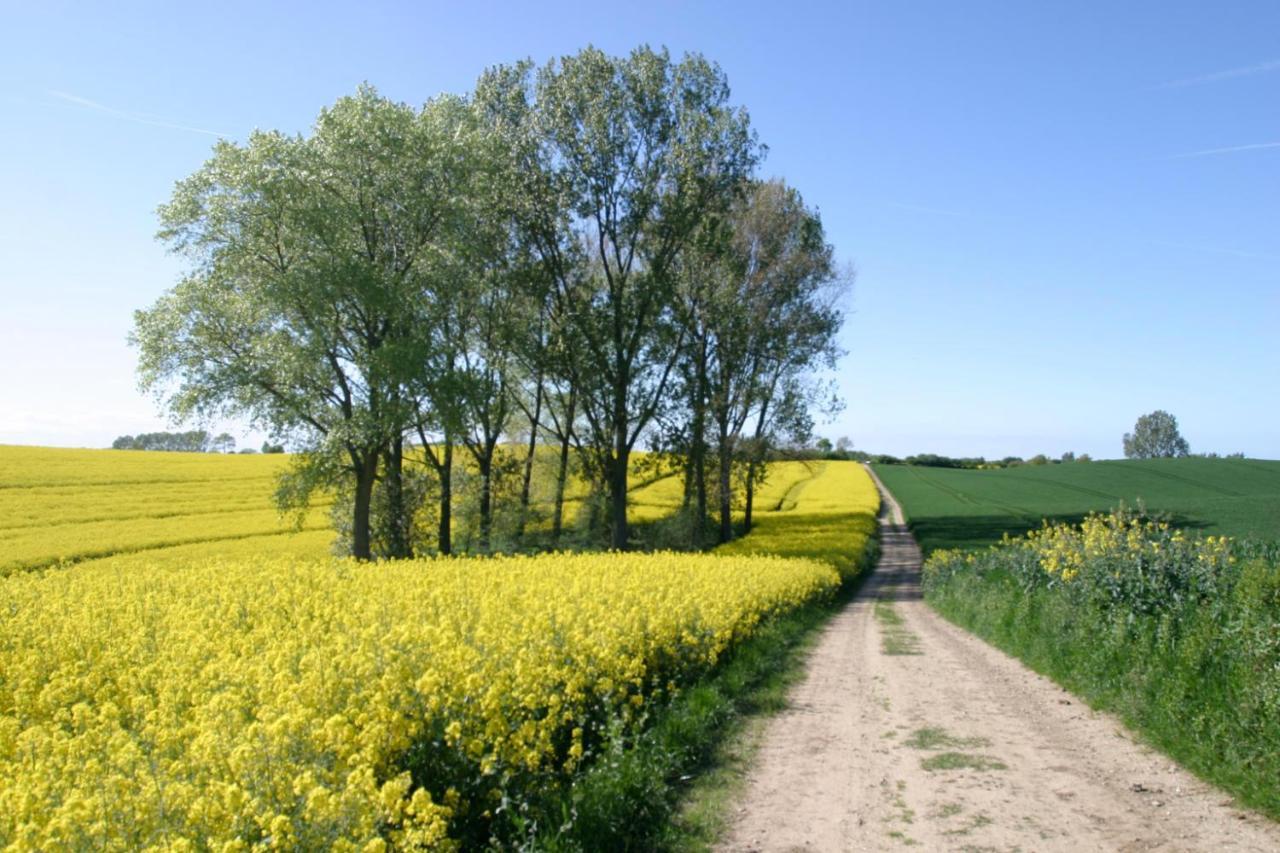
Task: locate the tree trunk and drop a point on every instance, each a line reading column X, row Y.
column 726, row 472
column 617, row 475
column 398, row 521
column 562, row 474
column 366, row 472
column 699, row 492
column 444, row 536
column 755, row 452
column 485, row 464
column 698, row 446
column 686, row 500
column 528, row 461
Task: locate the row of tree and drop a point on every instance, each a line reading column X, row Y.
column 189, row 441
column 579, row 253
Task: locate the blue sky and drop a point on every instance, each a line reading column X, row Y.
column 1063, row 215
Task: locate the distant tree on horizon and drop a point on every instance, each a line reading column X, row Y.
column 192, row 441
column 1155, row 436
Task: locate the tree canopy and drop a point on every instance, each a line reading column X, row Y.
column 552, row 254
column 1155, row 435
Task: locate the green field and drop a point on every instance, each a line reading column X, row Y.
column 961, row 508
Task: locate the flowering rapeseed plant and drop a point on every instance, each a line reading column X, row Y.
column 275, row 702
column 832, row 519
column 1115, row 560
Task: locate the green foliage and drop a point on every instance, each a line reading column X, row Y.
column 972, row 509
column 1154, row 436
column 639, row 152
column 630, row 798
column 1184, row 648
column 756, row 296
column 191, row 441
column 429, row 274
column 303, row 304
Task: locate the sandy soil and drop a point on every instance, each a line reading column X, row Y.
column 909, row 732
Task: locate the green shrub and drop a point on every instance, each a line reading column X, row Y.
column 1180, row 635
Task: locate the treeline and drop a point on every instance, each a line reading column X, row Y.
column 580, row 254
column 933, row 460
column 191, row 441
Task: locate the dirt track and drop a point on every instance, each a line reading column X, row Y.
column 909, row 732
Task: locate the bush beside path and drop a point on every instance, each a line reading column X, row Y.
column 908, row 731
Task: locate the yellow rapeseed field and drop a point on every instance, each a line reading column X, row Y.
column 59, row 504
column 245, row 692
column 259, row 701
column 828, row 517
column 67, row 505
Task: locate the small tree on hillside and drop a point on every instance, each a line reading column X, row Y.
column 1155, row 435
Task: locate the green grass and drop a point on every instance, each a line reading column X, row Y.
column 934, row 737
column 895, row 637
column 1197, row 681
column 961, row 761
column 670, row 790
column 957, row 508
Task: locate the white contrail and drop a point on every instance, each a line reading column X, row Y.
column 1216, row 250
column 140, row 118
column 1229, row 74
column 1231, row 150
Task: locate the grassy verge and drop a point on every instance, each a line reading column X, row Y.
column 1199, row 680
column 671, row 787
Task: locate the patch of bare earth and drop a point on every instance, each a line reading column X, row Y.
column 907, row 731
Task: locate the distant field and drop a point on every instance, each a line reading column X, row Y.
column 953, row 508
column 59, row 504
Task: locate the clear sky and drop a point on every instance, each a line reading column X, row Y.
column 1062, row 214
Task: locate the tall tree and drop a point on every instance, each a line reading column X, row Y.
column 628, row 156
column 305, row 252
column 759, row 298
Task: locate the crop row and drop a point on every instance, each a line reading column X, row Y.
column 829, row 517
column 34, row 547
column 212, row 692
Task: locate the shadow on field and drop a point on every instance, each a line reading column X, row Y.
column 973, row 532
column 897, row 576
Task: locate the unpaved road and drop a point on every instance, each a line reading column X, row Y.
column 909, row 732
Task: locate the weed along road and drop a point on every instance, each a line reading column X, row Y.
column 906, row 731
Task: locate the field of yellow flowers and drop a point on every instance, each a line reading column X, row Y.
column 227, row 700
column 59, row 504
column 829, row 515
column 63, row 505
